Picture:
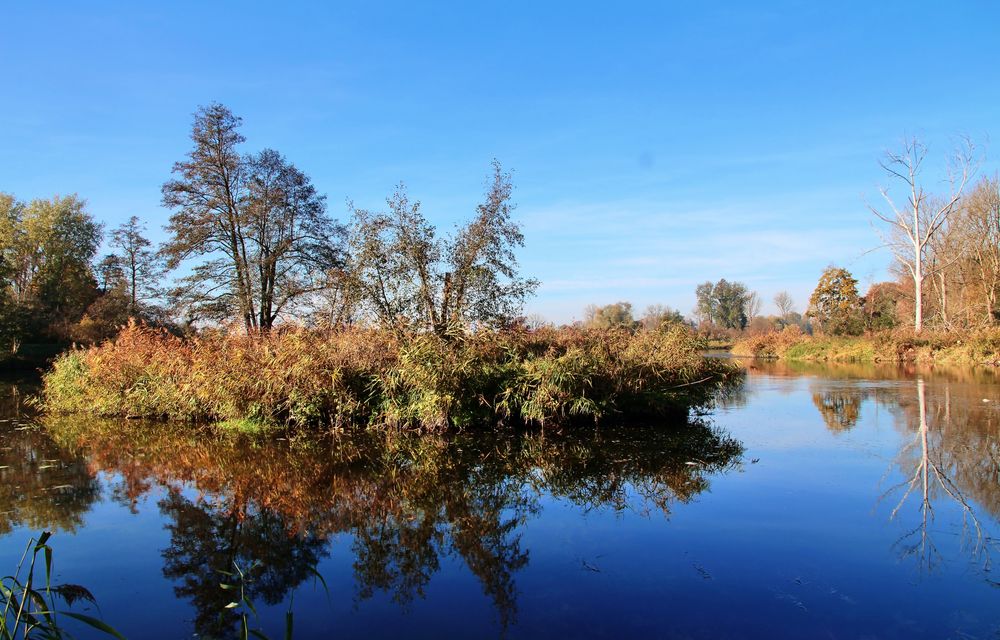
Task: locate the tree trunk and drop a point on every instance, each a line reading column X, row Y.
column 918, row 277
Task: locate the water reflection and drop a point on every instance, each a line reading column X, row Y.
column 41, row 485
column 207, row 537
column 953, row 455
column 949, row 451
column 406, row 502
column 409, row 513
column 839, row 407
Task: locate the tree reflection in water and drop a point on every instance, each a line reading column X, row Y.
column 953, row 454
column 950, row 443
column 840, row 408
column 209, row 537
column 407, row 501
column 41, row 486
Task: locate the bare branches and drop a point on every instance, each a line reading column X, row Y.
column 405, row 274
column 258, row 212
column 922, row 219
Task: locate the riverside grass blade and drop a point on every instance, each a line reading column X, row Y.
column 90, row 621
column 316, row 574
column 32, row 608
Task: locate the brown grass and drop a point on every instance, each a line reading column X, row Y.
column 953, row 347
column 364, row 376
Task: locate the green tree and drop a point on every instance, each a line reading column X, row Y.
column 404, row 274
column 618, row 314
column 835, row 304
column 46, row 249
column 723, row 303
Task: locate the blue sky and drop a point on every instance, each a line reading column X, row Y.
column 654, row 146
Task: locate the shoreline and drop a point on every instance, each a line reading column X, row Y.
column 972, row 349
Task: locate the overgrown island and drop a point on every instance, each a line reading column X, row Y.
column 282, row 317
column 279, row 316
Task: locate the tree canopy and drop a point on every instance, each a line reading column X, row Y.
column 835, row 304
column 254, row 223
column 723, row 303
column 402, row 273
column 618, row 314
column 46, row 276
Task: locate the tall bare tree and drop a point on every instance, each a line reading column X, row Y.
column 784, row 303
column 139, row 264
column 256, row 222
column 913, row 226
column 752, row 305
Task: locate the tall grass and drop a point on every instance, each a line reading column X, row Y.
column 29, row 600
column 361, row 376
column 954, row 347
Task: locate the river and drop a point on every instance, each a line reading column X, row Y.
column 815, row 501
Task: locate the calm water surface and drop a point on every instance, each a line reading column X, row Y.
column 815, row 502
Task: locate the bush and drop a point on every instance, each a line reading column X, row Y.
column 352, row 376
column 773, row 344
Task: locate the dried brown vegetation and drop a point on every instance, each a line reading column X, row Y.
column 355, row 376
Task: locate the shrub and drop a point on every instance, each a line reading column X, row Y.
column 338, row 378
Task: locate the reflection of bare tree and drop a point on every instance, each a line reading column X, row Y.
column 407, row 501
column 207, row 536
column 934, row 462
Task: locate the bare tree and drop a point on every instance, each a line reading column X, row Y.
column 783, row 301
column 407, row 276
column 912, row 227
column 139, row 264
column 752, row 305
column 256, row 222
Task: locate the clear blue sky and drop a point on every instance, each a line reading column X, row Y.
column 654, row 146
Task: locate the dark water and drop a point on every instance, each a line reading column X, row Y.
column 815, row 502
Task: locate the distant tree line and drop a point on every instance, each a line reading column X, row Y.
column 52, row 286
column 620, row 315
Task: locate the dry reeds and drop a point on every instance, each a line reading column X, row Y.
column 358, row 376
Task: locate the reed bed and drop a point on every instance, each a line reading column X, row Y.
column 357, row 376
column 953, row 347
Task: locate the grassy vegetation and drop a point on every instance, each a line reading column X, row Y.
column 28, row 599
column 979, row 348
column 355, row 376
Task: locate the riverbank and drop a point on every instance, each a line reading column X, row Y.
column 30, row 358
column 351, row 377
column 956, row 348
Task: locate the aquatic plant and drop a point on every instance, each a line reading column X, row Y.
column 243, row 607
column 29, row 609
column 352, row 376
